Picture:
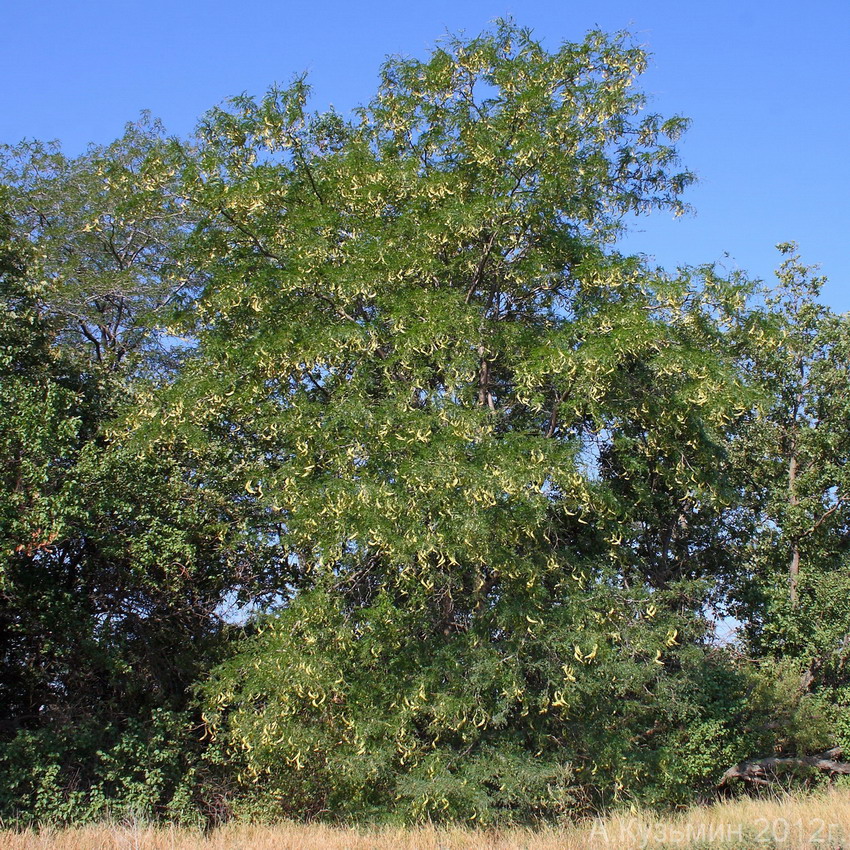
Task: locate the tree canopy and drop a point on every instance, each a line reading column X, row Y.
column 478, row 482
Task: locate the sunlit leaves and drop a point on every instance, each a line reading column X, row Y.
column 487, row 439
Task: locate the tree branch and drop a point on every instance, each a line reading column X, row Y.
column 764, row 771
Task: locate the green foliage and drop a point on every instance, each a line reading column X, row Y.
column 107, row 230
column 327, row 716
column 86, row 772
column 793, row 455
column 40, row 395
column 404, row 326
column 114, row 560
column 801, row 721
column 495, row 446
column 353, row 716
column 383, row 381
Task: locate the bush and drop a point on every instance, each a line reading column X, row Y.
column 89, row 771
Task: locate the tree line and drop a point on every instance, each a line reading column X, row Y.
column 350, row 471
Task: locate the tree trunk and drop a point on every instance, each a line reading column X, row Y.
column 765, row 771
column 794, row 567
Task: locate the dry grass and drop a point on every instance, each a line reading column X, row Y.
column 819, row 821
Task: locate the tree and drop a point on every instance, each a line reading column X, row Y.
column 108, row 226
column 115, row 559
column 491, row 445
column 794, row 457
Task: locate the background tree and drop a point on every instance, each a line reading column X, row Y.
column 115, row 560
column 109, row 229
column 794, row 455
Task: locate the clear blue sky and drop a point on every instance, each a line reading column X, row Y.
column 765, row 82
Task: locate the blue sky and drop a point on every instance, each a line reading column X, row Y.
column 765, row 83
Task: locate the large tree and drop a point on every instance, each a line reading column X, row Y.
column 491, row 446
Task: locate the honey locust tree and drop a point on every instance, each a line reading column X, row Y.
column 492, row 445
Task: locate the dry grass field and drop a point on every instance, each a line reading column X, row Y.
column 820, row 821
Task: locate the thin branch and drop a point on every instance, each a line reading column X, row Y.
column 252, row 236
column 832, row 510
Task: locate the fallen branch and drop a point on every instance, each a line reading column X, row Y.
column 764, row 771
